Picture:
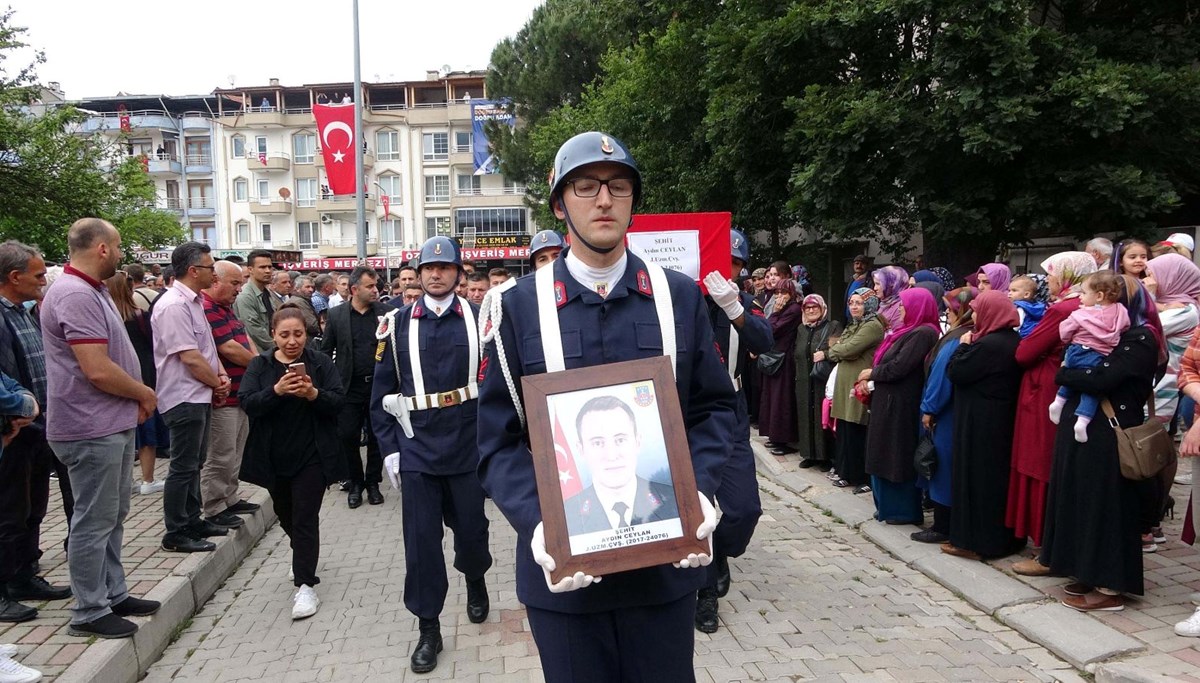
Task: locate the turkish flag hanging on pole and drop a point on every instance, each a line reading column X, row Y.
column 568, row 473
column 335, row 130
column 387, row 206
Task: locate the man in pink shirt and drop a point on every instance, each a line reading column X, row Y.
column 190, row 380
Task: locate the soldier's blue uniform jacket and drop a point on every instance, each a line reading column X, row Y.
column 595, row 331
column 443, row 440
column 738, row 492
column 754, row 337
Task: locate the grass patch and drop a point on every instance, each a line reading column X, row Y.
column 178, row 631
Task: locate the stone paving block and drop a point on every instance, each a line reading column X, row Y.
column 982, row 586
column 1072, row 635
column 896, row 541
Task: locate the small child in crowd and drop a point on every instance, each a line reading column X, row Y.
column 1022, row 291
column 1091, row 332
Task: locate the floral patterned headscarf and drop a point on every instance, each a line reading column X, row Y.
column 944, row 276
column 870, row 302
column 1070, row 267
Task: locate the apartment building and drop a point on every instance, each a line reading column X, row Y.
column 175, row 137
column 242, row 168
column 417, row 138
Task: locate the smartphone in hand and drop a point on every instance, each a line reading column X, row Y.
column 298, row 369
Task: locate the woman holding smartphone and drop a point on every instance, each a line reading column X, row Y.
column 292, row 395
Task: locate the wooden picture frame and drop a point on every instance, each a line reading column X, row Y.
column 630, row 418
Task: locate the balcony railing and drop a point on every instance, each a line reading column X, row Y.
column 516, row 190
column 348, row 241
column 202, row 203
column 169, row 203
column 387, row 107
column 199, row 159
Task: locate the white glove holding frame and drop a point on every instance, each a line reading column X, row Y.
column 566, row 584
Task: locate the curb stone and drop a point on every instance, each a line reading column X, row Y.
column 182, row 593
column 1079, row 639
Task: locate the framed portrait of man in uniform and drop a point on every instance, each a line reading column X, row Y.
column 614, row 471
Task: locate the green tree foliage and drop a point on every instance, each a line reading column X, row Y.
column 49, row 176
column 976, row 123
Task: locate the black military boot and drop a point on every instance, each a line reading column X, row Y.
column 706, row 610
column 354, row 497
column 723, row 578
column 477, row 600
column 424, row 656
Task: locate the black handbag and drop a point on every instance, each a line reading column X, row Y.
column 821, row 370
column 925, row 458
column 770, row 362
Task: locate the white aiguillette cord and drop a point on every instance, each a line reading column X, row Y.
column 552, row 334
column 414, row 351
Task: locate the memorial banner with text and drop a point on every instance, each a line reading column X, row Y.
column 694, row 244
column 483, row 111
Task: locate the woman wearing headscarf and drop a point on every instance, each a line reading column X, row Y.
column 889, row 282
column 924, row 276
column 994, row 276
column 934, row 287
column 853, row 353
column 1174, row 282
column 777, row 408
column 944, row 277
column 987, row 381
column 1040, row 354
column 937, row 413
column 812, row 338
column 777, row 272
column 896, row 381
column 1092, row 522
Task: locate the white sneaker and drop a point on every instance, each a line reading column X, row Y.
column 291, row 574
column 149, row 487
column 11, row 671
column 1189, row 627
column 305, row 603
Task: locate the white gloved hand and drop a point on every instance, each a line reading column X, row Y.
column 568, row 583
column 725, row 294
column 391, row 465
column 703, row 532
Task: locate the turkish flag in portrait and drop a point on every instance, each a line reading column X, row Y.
column 335, row 130
column 568, row 474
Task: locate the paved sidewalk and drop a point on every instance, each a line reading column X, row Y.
column 1137, row 644
column 812, row 600
column 180, row 580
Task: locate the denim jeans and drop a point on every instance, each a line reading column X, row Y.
column 189, row 424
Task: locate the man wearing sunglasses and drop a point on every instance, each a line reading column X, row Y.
column 598, row 303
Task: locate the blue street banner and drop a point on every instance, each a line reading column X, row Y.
column 483, row 111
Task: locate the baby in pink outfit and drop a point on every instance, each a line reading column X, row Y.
column 1091, row 332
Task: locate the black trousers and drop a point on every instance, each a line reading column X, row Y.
column 651, row 643
column 851, row 461
column 25, row 468
column 427, row 501
column 297, row 503
column 352, row 420
column 941, row 518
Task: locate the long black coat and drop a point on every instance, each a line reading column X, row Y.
column 896, row 406
column 815, row 442
column 987, row 382
column 1093, row 527
column 258, row 398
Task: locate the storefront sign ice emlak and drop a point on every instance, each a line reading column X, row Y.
column 677, row 250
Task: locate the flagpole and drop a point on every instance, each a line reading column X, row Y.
column 360, row 192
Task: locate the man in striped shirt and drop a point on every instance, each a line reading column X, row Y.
column 230, row 426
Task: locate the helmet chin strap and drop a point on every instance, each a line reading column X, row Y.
column 575, row 232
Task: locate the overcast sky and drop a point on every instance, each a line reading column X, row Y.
column 187, row 48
